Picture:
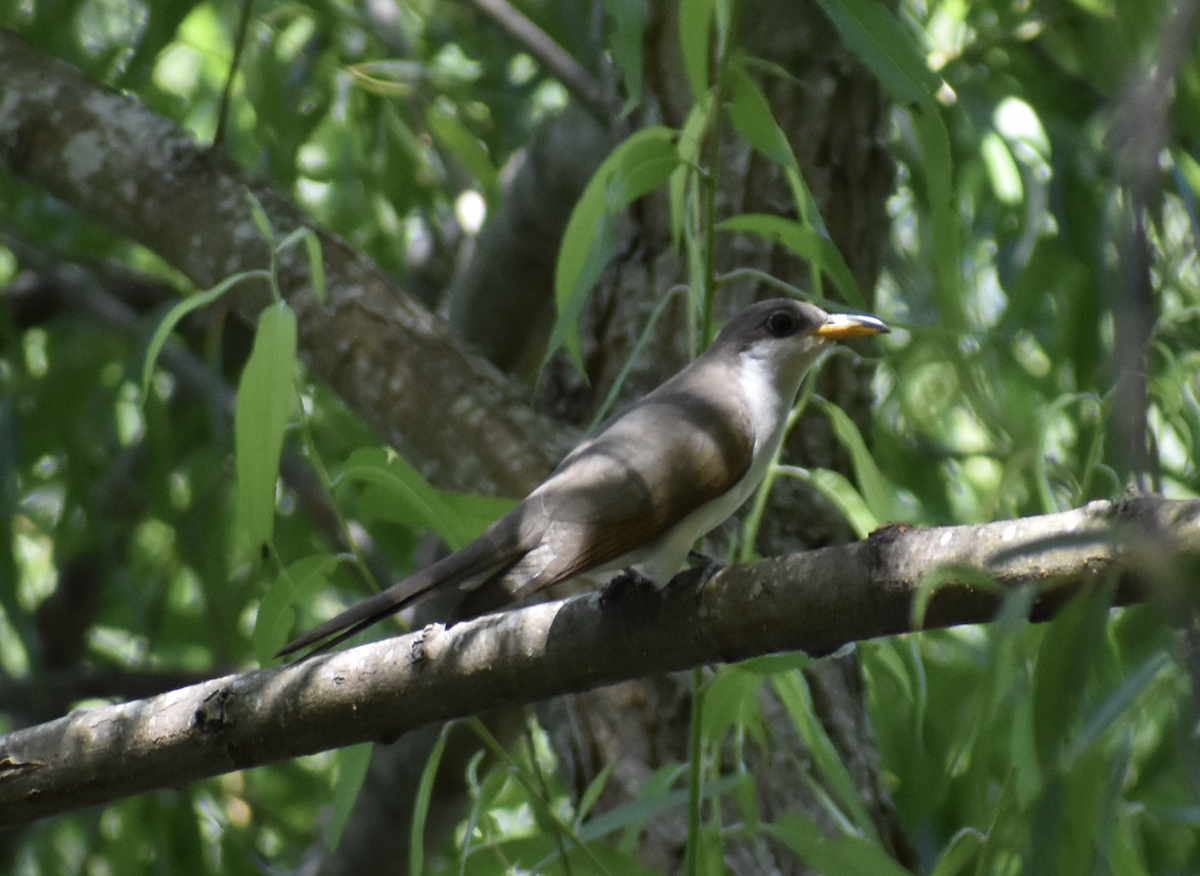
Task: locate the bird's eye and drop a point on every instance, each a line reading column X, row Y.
column 781, row 324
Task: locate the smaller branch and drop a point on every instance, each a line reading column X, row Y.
column 573, row 75
column 815, row 601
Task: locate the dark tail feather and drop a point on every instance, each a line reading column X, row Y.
column 362, row 614
column 501, row 545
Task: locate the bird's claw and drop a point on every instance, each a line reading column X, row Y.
column 625, row 584
column 699, row 575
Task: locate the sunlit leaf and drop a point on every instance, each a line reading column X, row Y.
column 415, row 501
column 295, row 586
column 266, row 400
column 176, row 314
column 876, row 36
column 466, row 147
column 805, row 242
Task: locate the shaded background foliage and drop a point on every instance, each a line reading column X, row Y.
column 1067, row 747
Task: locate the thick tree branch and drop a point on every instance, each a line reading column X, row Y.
column 110, row 157
column 815, row 601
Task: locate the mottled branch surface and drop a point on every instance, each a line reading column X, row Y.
column 815, row 601
column 110, row 157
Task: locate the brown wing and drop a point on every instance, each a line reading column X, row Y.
column 660, row 460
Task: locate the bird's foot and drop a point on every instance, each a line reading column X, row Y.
column 699, row 575
column 626, row 584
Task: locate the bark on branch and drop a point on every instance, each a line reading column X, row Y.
column 815, row 601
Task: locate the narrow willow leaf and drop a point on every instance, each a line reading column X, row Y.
column 416, row 842
column 838, row 489
column 476, row 513
column 639, row 165
column 689, row 157
column 879, row 39
column 293, row 587
column 876, row 491
column 959, row 853
column 625, row 45
column 752, row 118
column 316, row 264
column 1072, row 643
column 352, row 765
column 466, row 147
column 832, row 856
column 881, row 42
column 796, row 699
column 730, row 699
column 695, row 25
column 592, row 794
column 266, row 398
column 415, row 501
column 260, row 217
column 805, row 242
column 193, row 302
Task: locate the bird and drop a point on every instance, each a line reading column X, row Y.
column 640, row 492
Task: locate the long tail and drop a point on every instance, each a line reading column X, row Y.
column 370, row 610
column 497, row 549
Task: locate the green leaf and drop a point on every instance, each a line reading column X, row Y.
column 1107, row 712
column 1064, row 661
column 794, row 695
column 805, row 242
column 890, row 52
column 883, row 44
column 266, row 398
column 352, row 763
column 465, row 146
column 416, row 843
column 639, row 165
column 655, row 798
column 752, row 118
column 600, row 249
column 838, row 489
column 476, row 513
column 769, row 664
column 316, row 264
column 832, row 856
column 943, row 215
column 193, row 302
column 274, row 620
column 589, row 797
column 293, row 587
column 1002, row 169
column 731, row 699
column 414, row 501
column 690, row 141
column 625, row 46
column 695, row 25
column 876, row 491
column 260, row 217
column 962, row 849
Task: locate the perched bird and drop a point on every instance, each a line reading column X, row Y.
column 658, row 476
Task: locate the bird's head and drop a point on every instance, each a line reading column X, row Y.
column 782, row 337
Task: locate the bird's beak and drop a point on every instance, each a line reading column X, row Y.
column 840, row 326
